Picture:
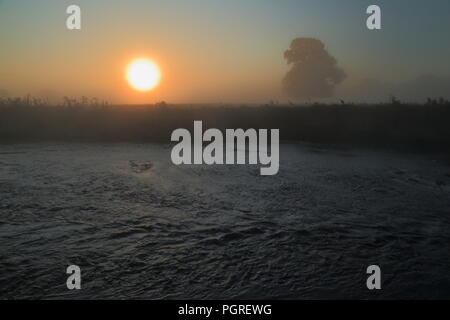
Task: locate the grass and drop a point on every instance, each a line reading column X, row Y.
column 394, row 124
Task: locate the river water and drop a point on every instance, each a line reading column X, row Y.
column 141, row 228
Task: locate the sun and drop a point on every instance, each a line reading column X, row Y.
column 143, row 74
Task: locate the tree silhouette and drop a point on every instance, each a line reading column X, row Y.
column 314, row 72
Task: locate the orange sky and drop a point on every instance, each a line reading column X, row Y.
column 207, row 51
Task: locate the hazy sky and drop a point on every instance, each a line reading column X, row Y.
column 212, row 50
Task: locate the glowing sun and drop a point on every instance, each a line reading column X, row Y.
column 143, row 74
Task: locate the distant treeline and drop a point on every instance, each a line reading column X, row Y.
column 394, row 124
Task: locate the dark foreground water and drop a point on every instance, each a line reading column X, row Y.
column 140, row 227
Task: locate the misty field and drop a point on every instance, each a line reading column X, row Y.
column 392, row 124
column 141, row 227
